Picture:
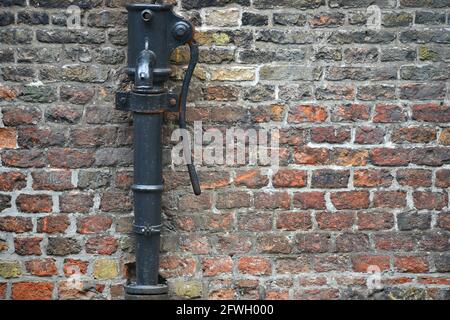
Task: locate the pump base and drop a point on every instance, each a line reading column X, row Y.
column 146, row 297
column 135, row 289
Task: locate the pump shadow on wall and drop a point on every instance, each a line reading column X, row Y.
column 154, row 31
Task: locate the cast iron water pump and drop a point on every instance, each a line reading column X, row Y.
column 154, row 31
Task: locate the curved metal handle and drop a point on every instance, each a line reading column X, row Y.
column 182, row 114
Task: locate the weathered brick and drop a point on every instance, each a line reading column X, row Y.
column 375, row 221
column 330, row 179
column 28, row 246
column 389, row 113
column 307, row 113
column 60, row 246
column 352, row 242
column 15, row 224
column 429, row 200
column 414, row 177
column 53, row 224
column 286, row 178
column 335, row 221
column 104, row 245
column 361, row 263
column 35, row 203
column 313, row 242
column 52, row 180
column 309, row 200
column 41, row 268
column 233, row 200
column 32, row 291
column 10, row 181
column 413, row 221
column 93, row 224
column 254, row 265
column 275, row 200
column 274, row 244
column 216, row 266
column 292, row 221
column 389, row 199
column 350, row 200
column 70, row 158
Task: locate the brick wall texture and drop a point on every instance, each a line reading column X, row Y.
column 364, row 141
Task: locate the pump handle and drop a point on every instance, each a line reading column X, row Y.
column 193, row 47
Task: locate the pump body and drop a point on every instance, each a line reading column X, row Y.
column 154, row 31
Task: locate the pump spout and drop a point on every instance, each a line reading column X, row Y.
column 143, row 76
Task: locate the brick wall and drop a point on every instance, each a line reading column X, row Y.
column 365, row 153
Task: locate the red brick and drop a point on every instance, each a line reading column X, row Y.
column 413, row 264
column 443, row 220
column 313, row 242
column 214, row 180
column 76, row 202
column 351, row 112
column 352, row 242
column 254, row 266
column 10, row 181
column 223, row 294
column 393, row 241
column 252, row 179
column 350, row 200
column 361, row 263
column 230, row 200
column 271, row 243
column 41, row 267
column 389, row 114
column 369, row 178
column 24, row 158
column 414, row 177
column 3, row 287
column 299, row 264
column 444, row 137
column 70, row 158
column 105, row 245
column 309, row 200
column 330, row 135
column 292, row 221
column 389, row 199
column 349, row 157
column 74, row 266
column 255, row 221
column 429, row 200
column 8, row 138
column 277, row 295
column 307, row 113
column 375, row 221
column 331, row 263
column 317, row 294
column 431, row 112
column 286, row 178
column 308, row 281
column 233, row 244
column 21, row 115
column 53, row 224
column 369, row 135
column 93, row 136
column 32, row 137
column 275, row 200
column 116, row 202
column 177, row 266
column 52, row 180
column 443, row 178
column 34, row 203
column 314, row 156
column 124, row 179
column 389, row 157
column 213, row 266
column 335, row 221
column 192, row 203
column 7, row 93
column 93, row 224
column 28, row 246
column 15, row 224
column 414, row 135
column 32, row 291
column 195, row 243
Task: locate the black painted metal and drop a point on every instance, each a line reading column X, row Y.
column 153, row 32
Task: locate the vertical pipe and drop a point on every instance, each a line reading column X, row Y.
column 147, row 191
